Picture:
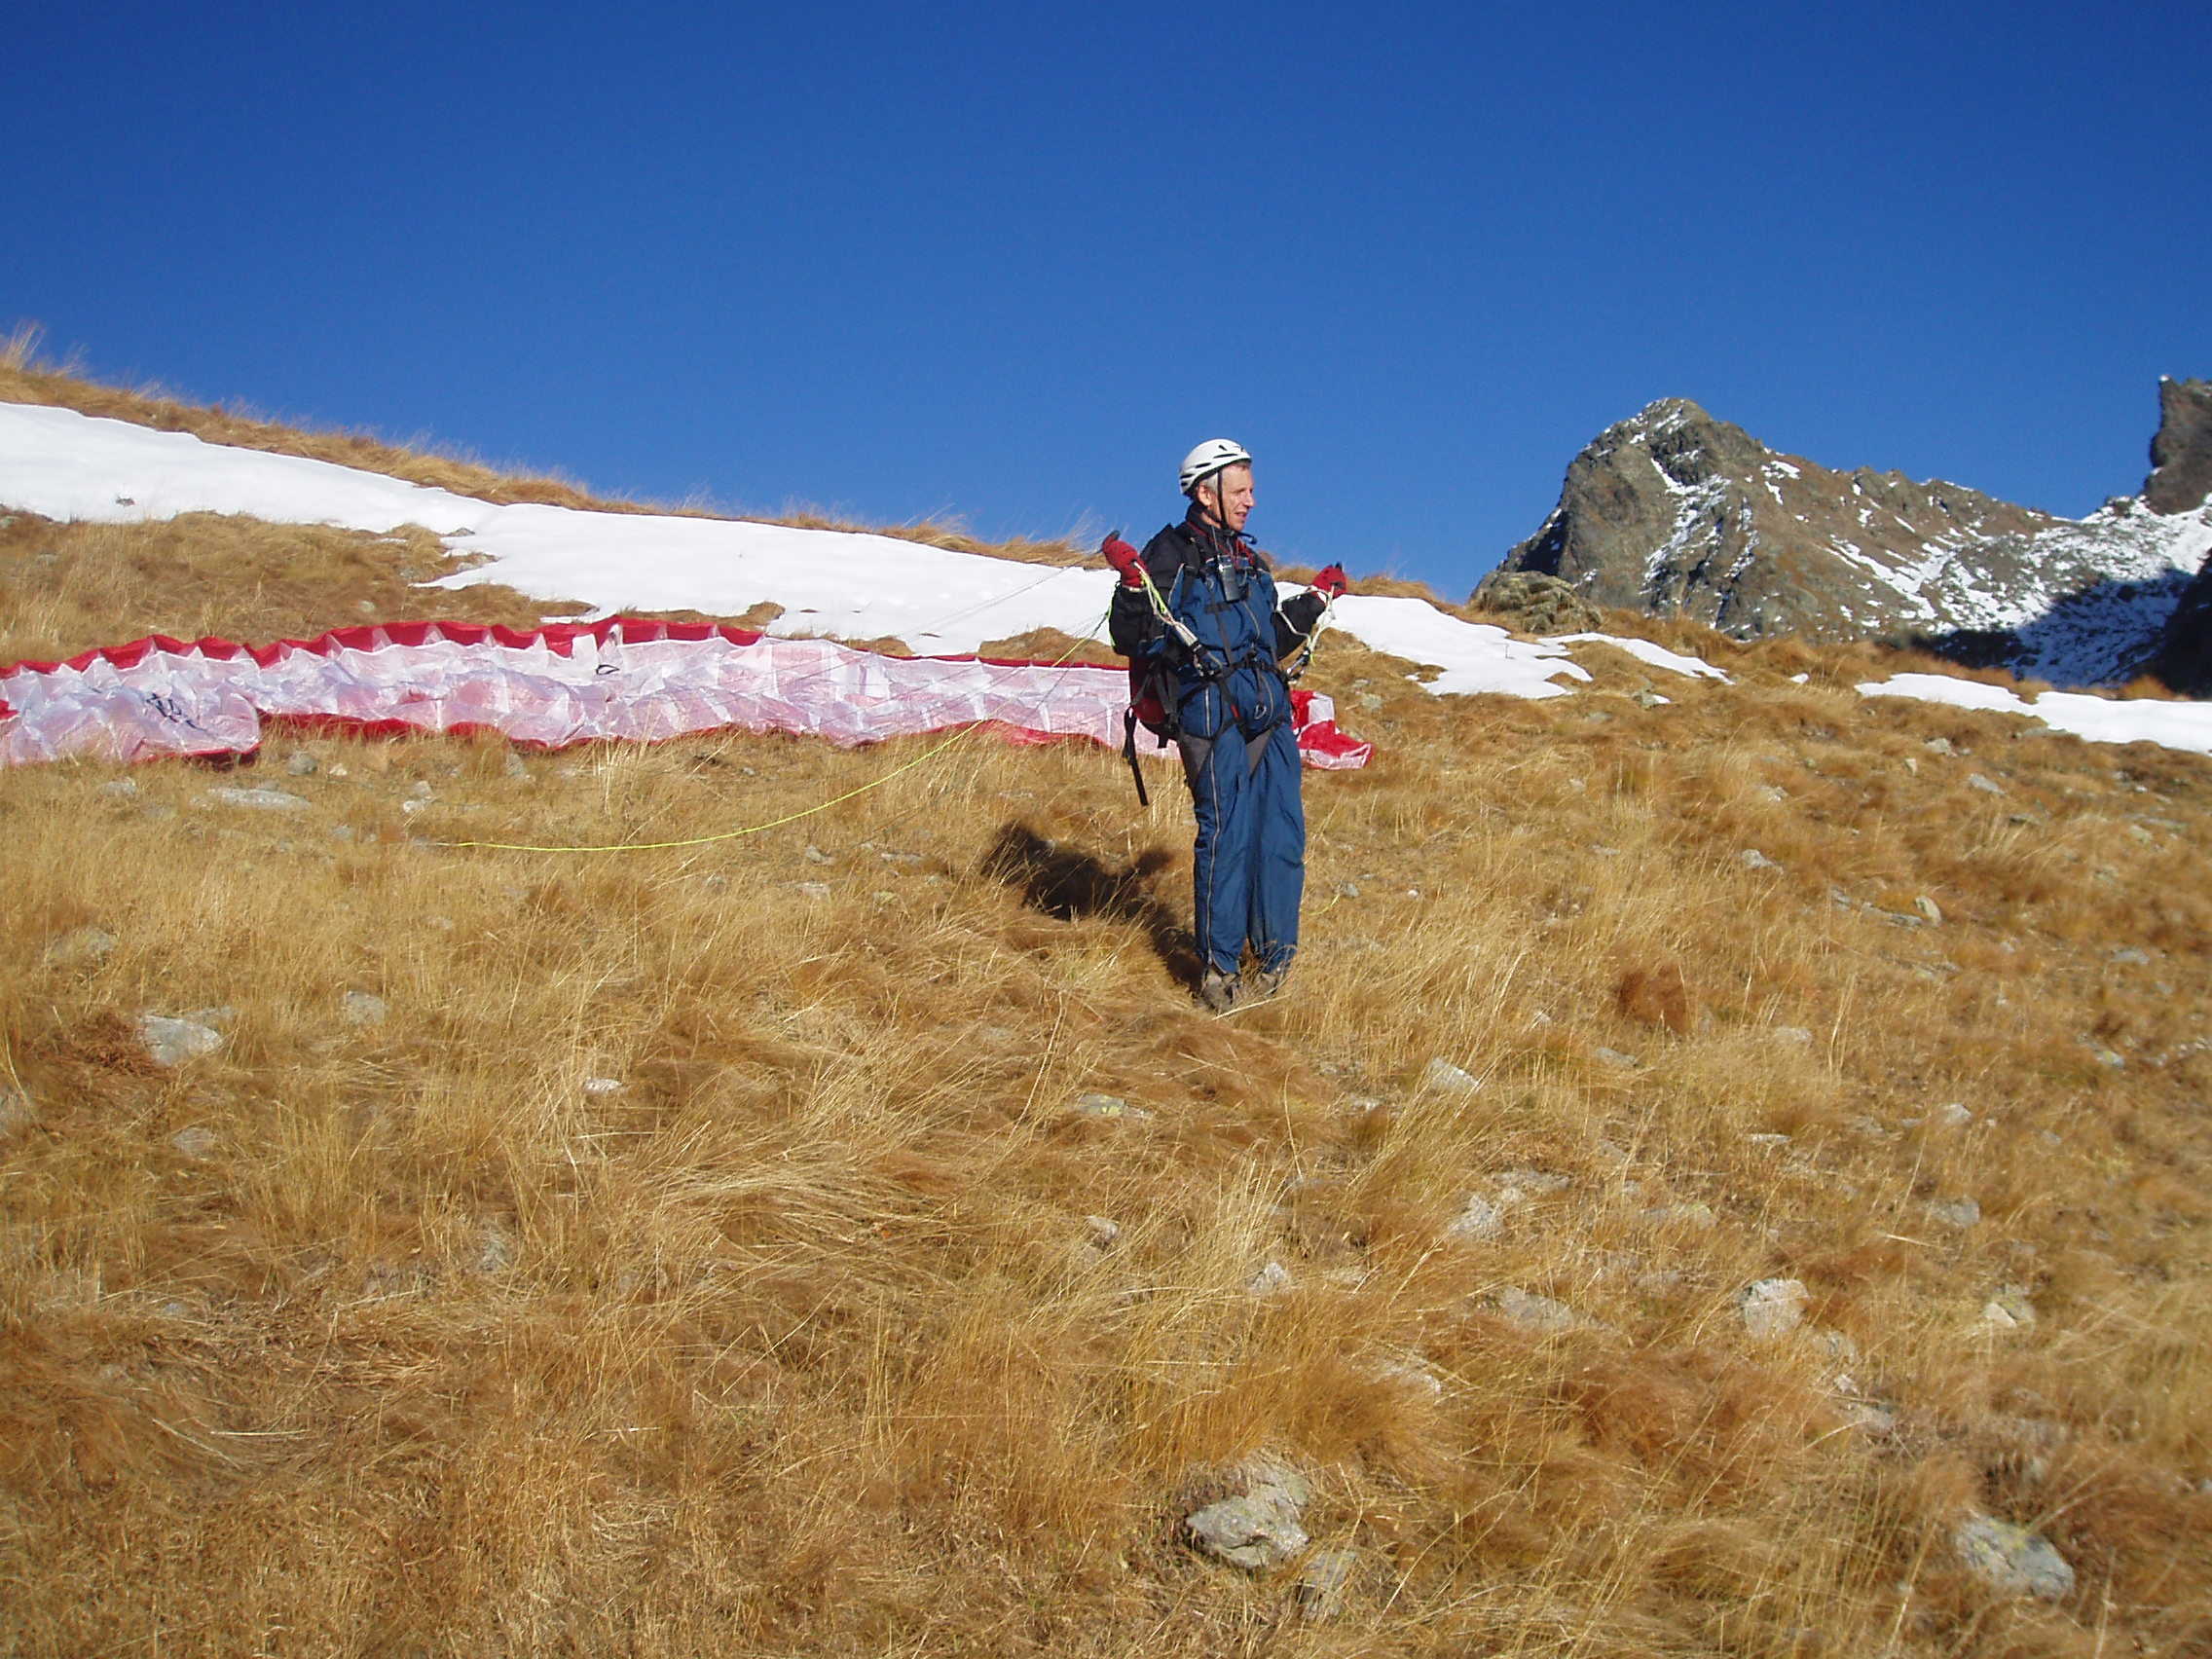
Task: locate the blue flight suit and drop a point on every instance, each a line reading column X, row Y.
column 1229, row 713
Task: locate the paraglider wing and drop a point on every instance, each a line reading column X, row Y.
column 557, row 685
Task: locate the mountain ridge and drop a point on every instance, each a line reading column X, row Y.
column 1675, row 512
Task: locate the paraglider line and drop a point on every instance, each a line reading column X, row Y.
column 777, row 823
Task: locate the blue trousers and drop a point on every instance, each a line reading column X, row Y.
column 1248, row 864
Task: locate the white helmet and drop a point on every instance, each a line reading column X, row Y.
column 1209, row 457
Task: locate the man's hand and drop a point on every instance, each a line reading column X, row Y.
column 1331, row 583
column 1125, row 558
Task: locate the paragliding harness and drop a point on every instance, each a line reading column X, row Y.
column 1153, row 691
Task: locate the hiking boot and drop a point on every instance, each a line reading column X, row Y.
column 1265, row 982
column 1218, row 991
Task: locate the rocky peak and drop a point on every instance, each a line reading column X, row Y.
column 1674, row 512
column 1689, row 446
column 2181, row 455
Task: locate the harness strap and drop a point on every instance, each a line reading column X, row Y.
column 1129, row 753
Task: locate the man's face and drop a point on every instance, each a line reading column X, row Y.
column 1228, row 495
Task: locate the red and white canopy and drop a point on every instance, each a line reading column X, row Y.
column 558, row 685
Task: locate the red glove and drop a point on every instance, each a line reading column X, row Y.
column 1125, row 558
column 1331, row 583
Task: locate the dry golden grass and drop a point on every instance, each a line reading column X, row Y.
column 405, row 1337
column 73, row 587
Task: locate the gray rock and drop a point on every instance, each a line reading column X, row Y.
column 1750, row 858
column 1412, row 1375
column 120, row 789
column 1481, row 1219
column 301, row 764
column 263, row 800
column 1446, row 1078
column 815, row 856
column 1961, row 1212
column 1930, row 911
column 195, row 1142
column 1324, row 1582
column 1772, row 1308
column 1536, row 604
column 2009, row 1308
column 1533, row 1313
column 497, row 1252
column 1767, row 1140
column 1251, row 1533
column 1106, row 1106
column 2012, row 1560
column 1260, row 1528
column 86, row 947
column 14, row 1111
column 1987, row 786
column 1836, row 1344
column 1105, row 1232
column 2131, row 956
column 1524, row 1181
column 1615, row 1057
column 1870, row 1417
column 173, row 1042
column 2181, row 453
column 1274, row 1279
column 602, row 1085
column 1939, row 746
column 813, row 889
column 359, row 1007
column 1796, row 1034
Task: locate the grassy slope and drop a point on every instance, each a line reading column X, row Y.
column 799, row 1342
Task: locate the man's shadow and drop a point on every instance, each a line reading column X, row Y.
column 1071, row 886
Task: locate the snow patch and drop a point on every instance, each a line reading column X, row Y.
column 1475, row 657
column 2099, row 720
column 1643, row 650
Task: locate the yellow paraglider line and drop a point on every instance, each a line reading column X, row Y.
column 966, row 732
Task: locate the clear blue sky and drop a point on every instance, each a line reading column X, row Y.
column 1009, row 261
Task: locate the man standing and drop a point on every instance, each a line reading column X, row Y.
column 1198, row 617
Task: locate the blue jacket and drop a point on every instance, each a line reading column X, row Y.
column 1218, row 585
